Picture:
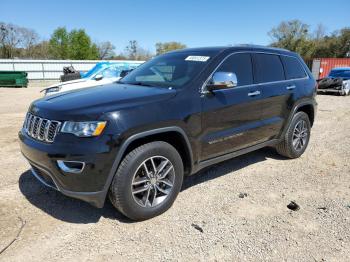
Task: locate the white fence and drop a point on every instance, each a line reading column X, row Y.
column 50, row 69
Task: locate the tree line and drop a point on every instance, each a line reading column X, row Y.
column 21, row 42
column 297, row 36
column 294, row 35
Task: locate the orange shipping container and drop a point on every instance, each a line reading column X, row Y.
column 323, row 66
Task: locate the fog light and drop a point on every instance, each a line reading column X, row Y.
column 75, row 167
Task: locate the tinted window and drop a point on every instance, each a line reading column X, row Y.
column 293, row 68
column 241, row 65
column 268, row 68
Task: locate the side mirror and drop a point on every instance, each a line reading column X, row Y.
column 222, row 80
column 125, row 72
column 98, row 77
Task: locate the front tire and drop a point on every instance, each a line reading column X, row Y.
column 297, row 137
column 147, row 181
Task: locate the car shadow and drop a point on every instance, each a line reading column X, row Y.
column 62, row 207
column 76, row 211
column 229, row 166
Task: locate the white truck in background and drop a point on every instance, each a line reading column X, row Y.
column 101, row 74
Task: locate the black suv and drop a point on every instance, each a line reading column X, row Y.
column 170, row 117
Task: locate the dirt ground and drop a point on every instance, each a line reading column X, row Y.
column 209, row 221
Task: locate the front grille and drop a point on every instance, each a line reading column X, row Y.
column 41, row 129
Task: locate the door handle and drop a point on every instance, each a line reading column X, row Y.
column 290, row 87
column 256, row 93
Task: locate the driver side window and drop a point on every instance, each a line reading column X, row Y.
column 241, row 65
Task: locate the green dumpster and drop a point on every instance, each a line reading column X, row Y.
column 13, row 78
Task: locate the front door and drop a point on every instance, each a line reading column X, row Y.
column 231, row 118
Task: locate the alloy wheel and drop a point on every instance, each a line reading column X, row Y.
column 153, row 181
column 300, row 135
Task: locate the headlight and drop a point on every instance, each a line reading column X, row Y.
column 84, row 129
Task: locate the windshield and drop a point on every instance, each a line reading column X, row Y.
column 340, row 73
column 169, row 70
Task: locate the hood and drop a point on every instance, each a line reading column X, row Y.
column 68, row 82
column 92, row 102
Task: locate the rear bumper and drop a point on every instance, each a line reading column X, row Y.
column 91, row 184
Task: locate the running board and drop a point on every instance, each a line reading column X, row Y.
column 219, row 159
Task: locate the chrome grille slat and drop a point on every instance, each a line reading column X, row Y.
column 40, row 128
column 46, row 131
column 35, row 125
column 36, row 128
column 31, row 124
column 27, row 122
column 41, row 132
column 54, row 126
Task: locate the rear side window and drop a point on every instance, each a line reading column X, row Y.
column 241, row 65
column 268, row 68
column 293, row 68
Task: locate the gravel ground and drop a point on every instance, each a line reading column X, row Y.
column 209, row 221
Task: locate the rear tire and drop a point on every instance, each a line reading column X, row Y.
column 147, row 181
column 297, row 137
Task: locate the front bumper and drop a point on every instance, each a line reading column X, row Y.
column 96, row 199
column 330, row 90
column 91, row 184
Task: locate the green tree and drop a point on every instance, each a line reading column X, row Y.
column 75, row 44
column 343, row 43
column 59, row 44
column 292, row 35
column 81, row 47
column 162, row 48
column 325, row 47
column 94, row 52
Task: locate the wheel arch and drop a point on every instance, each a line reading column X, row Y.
column 308, row 109
column 174, row 135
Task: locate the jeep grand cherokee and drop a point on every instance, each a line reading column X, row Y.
column 172, row 116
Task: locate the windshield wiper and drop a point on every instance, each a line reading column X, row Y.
column 137, row 84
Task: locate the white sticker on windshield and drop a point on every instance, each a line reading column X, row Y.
column 197, row 58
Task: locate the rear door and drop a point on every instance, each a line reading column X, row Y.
column 231, row 118
column 276, row 92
